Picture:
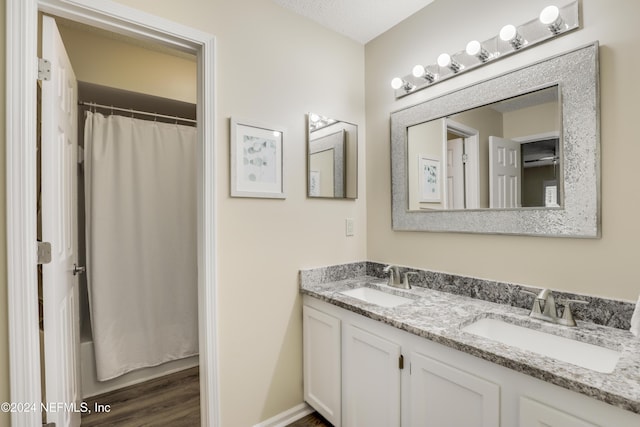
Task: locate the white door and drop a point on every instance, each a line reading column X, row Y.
column 59, row 219
column 443, row 396
column 505, row 173
column 455, row 174
column 371, row 394
column 322, row 368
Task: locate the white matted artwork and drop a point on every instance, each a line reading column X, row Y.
column 256, row 160
column 429, row 175
column 314, row 183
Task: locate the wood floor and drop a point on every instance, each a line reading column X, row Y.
column 312, row 420
column 172, row 400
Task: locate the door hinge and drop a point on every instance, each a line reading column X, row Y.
column 465, row 158
column 44, row 69
column 401, row 362
column 44, row 252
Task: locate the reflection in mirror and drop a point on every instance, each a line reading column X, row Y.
column 332, row 158
column 564, row 159
column 502, row 155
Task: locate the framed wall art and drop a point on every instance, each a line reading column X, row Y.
column 429, row 179
column 257, row 161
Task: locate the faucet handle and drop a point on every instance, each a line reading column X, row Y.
column 406, row 278
column 535, row 309
column 567, row 316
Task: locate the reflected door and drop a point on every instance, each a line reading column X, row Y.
column 505, row 173
column 455, row 174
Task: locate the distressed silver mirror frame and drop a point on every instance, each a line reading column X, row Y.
column 577, row 76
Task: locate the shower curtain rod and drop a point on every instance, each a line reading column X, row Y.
column 132, row 111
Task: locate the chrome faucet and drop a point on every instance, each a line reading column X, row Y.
column 544, row 308
column 394, row 277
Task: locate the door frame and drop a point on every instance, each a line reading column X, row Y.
column 21, row 122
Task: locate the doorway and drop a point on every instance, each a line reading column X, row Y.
column 21, row 169
column 463, row 169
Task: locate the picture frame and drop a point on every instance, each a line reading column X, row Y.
column 314, row 183
column 257, row 160
column 429, row 175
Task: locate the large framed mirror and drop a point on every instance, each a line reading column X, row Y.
column 515, row 154
column 332, row 162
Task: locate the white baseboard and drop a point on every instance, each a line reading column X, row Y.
column 287, row 417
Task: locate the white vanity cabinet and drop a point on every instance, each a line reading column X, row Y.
column 370, row 379
column 322, row 363
column 352, row 377
column 444, row 396
column 536, row 414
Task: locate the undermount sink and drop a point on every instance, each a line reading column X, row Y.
column 374, row 296
column 578, row 353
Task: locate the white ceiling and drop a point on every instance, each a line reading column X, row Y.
column 361, row 20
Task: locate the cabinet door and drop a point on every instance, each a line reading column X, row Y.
column 321, row 359
column 443, row 396
column 536, row 414
column 371, row 380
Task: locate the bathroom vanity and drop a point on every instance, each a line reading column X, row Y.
column 411, row 359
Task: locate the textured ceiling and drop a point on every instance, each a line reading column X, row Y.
column 361, row 20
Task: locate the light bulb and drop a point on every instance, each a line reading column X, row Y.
column 473, row 47
column 397, row 83
column 444, row 60
column 314, row 117
column 509, row 33
column 550, row 16
column 418, row 71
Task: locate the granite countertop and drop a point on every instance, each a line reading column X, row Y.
column 440, row 316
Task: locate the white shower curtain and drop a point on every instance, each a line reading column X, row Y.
column 140, row 181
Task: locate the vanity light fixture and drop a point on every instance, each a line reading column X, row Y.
column 550, row 16
column 445, row 60
column 421, row 71
column 553, row 21
column 509, row 33
column 475, row 48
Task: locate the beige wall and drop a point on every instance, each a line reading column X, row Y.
column 532, row 120
column 606, row 266
column 113, row 61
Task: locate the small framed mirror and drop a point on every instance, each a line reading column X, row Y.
column 332, row 158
